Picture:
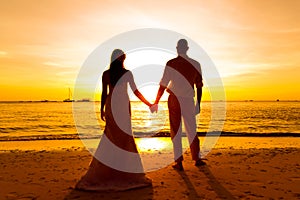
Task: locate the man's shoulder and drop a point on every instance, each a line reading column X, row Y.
column 194, row 62
column 179, row 60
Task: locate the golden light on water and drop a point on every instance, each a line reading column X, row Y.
column 151, row 144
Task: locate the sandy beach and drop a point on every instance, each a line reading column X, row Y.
column 237, row 168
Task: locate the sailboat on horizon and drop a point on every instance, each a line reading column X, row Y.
column 69, row 99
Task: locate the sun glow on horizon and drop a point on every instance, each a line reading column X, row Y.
column 149, row 92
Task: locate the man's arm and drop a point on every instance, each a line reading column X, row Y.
column 160, row 92
column 199, row 85
column 199, row 95
column 162, row 85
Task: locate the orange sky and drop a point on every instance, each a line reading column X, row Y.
column 254, row 44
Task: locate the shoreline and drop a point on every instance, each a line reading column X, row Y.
column 157, row 135
column 221, row 143
column 97, row 101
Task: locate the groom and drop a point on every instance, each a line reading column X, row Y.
column 180, row 76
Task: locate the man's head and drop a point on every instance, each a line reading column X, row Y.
column 182, row 46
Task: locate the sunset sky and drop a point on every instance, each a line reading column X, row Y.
column 255, row 44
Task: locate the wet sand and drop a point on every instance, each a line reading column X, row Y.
column 247, row 168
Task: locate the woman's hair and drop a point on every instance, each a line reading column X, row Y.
column 117, row 66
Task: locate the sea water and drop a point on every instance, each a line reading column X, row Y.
column 55, row 120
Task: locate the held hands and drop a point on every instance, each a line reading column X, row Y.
column 153, row 108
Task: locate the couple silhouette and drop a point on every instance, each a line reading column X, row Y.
column 113, row 170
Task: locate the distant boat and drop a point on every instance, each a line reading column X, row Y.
column 84, row 100
column 69, row 99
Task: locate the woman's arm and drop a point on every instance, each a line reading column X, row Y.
column 103, row 96
column 142, row 98
column 135, row 90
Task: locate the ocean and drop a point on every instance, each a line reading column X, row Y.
column 54, row 120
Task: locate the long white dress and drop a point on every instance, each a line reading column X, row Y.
column 116, row 164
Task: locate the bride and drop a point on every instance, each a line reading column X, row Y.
column 116, row 164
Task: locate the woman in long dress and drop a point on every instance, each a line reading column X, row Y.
column 116, row 164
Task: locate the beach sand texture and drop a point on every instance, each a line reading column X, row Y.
column 50, row 172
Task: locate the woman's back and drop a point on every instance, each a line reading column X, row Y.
column 120, row 87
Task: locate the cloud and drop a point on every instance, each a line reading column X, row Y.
column 62, row 64
column 53, row 64
column 3, row 53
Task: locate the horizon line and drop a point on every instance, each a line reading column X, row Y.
column 80, row 100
